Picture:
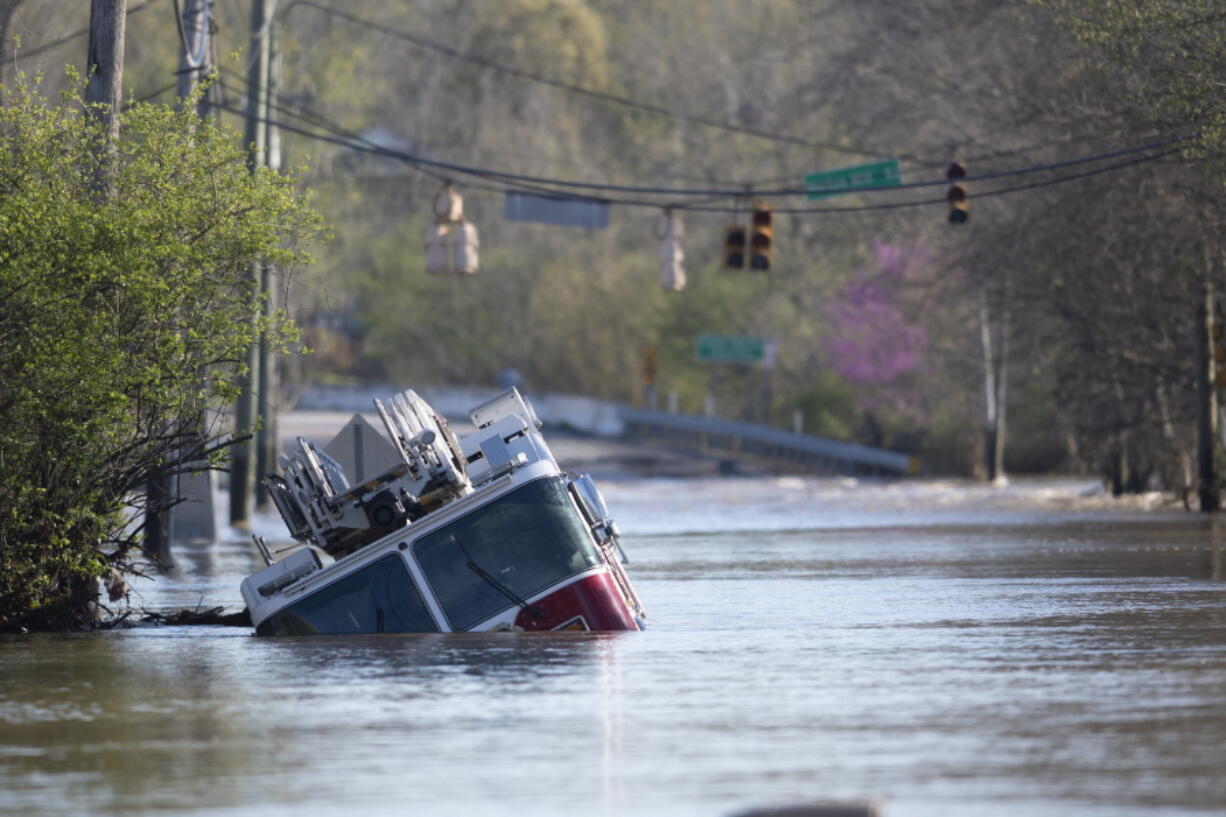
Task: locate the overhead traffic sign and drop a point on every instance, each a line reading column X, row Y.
column 836, row 182
column 563, row 211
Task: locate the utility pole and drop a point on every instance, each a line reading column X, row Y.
column 104, row 89
column 194, row 49
column 191, row 518
column 104, row 92
column 1206, row 402
column 247, row 413
column 266, row 435
column 104, row 65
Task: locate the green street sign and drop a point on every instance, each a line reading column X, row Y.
column 837, row 182
column 730, row 349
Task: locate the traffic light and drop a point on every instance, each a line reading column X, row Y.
column 451, row 242
column 761, row 232
column 734, row 247
column 649, row 365
column 957, row 194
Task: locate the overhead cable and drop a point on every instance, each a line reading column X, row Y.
column 535, row 183
column 74, row 35
column 740, row 192
column 980, row 195
column 603, row 96
column 304, row 113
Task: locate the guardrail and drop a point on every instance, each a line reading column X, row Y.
column 803, row 451
column 709, row 435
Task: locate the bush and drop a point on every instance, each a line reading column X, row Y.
column 124, row 323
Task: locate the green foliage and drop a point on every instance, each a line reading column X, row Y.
column 828, row 407
column 1172, row 50
column 124, row 320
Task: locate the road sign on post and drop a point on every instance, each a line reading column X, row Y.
column 845, row 179
column 730, row 349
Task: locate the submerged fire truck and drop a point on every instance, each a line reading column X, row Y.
column 474, row 533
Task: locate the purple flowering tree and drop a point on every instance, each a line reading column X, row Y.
column 872, row 344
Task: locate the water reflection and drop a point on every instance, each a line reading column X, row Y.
column 952, row 668
column 520, row 658
column 159, row 719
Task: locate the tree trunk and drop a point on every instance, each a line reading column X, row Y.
column 158, row 499
column 991, row 414
column 1205, row 403
column 1172, row 439
column 1002, row 392
column 7, row 9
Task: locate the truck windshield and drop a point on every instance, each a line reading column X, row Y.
column 526, row 540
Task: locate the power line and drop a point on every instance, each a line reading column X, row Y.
column 725, row 192
column 603, row 96
column 793, row 191
column 425, row 43
column 74, row 35
column 151, row 95
column 982, row 195
column 306, row 114
column 534, row 184
column 1004, row 153
column 739, row 187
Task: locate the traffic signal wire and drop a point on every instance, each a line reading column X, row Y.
column 306, row 114
column 743, row 191
column 943, row 200
column 512, row 182
column 549, row 185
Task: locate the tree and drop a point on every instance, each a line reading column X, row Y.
column 1172, row 52
column 872, row 343
column 123, row 327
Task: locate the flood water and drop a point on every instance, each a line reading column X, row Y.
column 937, row 649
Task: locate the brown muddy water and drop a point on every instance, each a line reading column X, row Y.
column 940, row 649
